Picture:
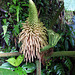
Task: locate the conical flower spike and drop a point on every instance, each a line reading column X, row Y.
column 33, row 36
column 33, row 15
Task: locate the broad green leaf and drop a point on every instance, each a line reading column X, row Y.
column 4, row 29
column 16, row 62
column 20, row 59
column 12, row 61
column 20, row 71
column 53, row 37
column 7, row 66
column 7, row 72
column 29, row 68
column 69, row 5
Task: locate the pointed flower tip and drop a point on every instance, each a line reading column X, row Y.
column 30, row 1
column 33, row 15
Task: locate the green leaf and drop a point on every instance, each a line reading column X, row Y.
column 29, row 68
column 69, row 5
column 71, row 41
column 4, row 29
column 13, row 49
column 16, row 62
column 6, row 38
column 42, row 73
column 12, row 61
column 7, row 72
column 62, row 39
column 68, row 63
column 25, row 4
column 20, row 71
column 4, row 20
column 14, row 1
column 53, row 37
column 58, row 68
column 7, row 66
column 66, row 45
column 12, row 9
column 8, row 3
column 16, row 29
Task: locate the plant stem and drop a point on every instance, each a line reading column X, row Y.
column 61, row 53
column 38, row 67
column 17, row 9
column 46, row 48
column 9, row 54
column 55, row 54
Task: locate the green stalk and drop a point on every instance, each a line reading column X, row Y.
column 55, row 54
column 46, row 48
column 61, row 53
column 38, row 67
column 17, row 9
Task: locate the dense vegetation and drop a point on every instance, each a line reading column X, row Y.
column 51, row 12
